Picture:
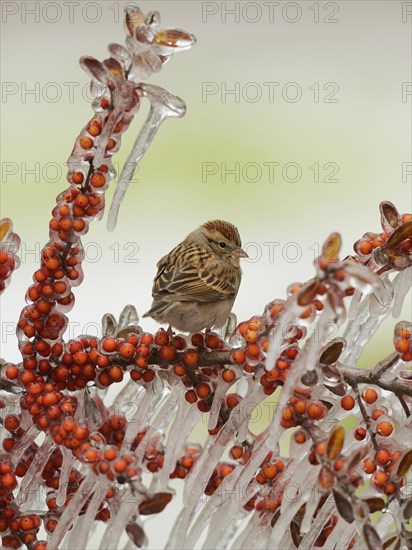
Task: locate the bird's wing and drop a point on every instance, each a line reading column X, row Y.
column 194, row 275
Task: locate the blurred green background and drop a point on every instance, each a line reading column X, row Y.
column 319, row 92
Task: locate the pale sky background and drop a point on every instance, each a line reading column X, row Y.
column 340, row 110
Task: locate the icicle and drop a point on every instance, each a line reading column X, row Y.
column 271, row 439
column 184, row 422
column 158, row 426
column 71, row 512
column 118, row 523
column 162, row 106
column 66, row 467
column 216, row 404
column 287, row 316
column 132, row 393
column 80, row 532
column 401, row 285
column 324, row 514
column 249, row 535
column 241, row 541
column 311, row 505
column 211, row 453
column 200, row 523
column 33, row 474
column 142, row 415
column 341, row 535
column 23, row 444
column 354, row 304
column 359, row 331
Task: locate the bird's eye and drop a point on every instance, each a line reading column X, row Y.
column 222, row 245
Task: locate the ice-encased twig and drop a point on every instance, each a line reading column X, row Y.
column 212, row 451
column 147, row 405
column 33, row 474
column 66, row 467
column 341, row 535
column 220, row 391
column 249, row 527
column 355, row 304
column 163, row 105
column 71, row 512
column 288, row 315
column 401, row 285
column 360, row 330
column 131, row 394
column 185, row 420
column 210, row 455
column 271, row 439
column 23, row 444
column 131, row 500
column 324, row 514
column 80, row 532
column 158, row 426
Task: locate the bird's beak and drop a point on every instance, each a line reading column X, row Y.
column 240, row 253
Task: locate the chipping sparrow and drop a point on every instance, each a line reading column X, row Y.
column 197, row 282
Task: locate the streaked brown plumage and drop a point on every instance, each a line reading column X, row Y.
column 197, row 282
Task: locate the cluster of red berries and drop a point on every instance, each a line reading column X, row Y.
column 251, row 337
column 301, row 409
column 186, row 462
column 403, row 340
column 21, row 530
column 269, row 470
column 382, row 470
column 394, row 245
column 222, row 470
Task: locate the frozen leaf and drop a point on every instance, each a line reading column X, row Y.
column 119, row 52
column 152, row 18
column 330, row 353
column 332, row 375
column 335, row 443
column 388, row 543
column 405, row 463
column 295, row 532
column 230, row 326
column 275, row 518
column 344, row 506
column 133, row 18
column 310, row 378
column 128, row 320
column 403, row 232
column 114, row 67
column 5, row 227
column 407, row 510
column 109, row 325
column 175, row 39
column 308, row 293
column 156, row 504
column 340, row 389
column 372, row 538
column 331, row 248
column 136, row 534
column 94, row 68
column 375, row 504
column 326, row 478
column 389, row 215
column 356, row 457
